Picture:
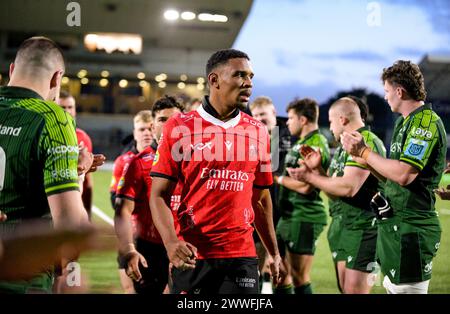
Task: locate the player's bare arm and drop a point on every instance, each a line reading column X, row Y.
column 394, row 170
column 124, row 231
column 262, row 205
column 181, row 254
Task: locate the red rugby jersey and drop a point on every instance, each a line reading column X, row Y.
column 120, row 163
column 84, row 137
column 217, row 164
column 136, row 187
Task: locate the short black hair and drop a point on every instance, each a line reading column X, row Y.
column 307, row 107
column 222, row 56
column 165, row 102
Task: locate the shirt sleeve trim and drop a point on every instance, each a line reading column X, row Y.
column 262, row 187
column 412, row 163
column 162, row 175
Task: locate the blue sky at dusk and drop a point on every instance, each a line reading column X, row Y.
column 311, row 48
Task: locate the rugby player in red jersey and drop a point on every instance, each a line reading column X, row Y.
column 144, row 254
column 220, row 158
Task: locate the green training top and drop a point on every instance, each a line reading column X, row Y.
column 38, row 154
column 356, row 210
column 308, row 208
column 420, row 141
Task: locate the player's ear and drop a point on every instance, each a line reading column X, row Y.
column 11, row 69
column 213, row 80
column 56, row 79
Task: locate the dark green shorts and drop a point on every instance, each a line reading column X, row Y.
column 299, row 237
column 43, row 283
column 406, row 251
column 358, row 247
column 334, row 236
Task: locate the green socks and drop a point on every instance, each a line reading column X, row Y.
column 304, row 289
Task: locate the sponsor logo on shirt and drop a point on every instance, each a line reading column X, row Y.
column 63, row 149
column 202, row 146
column 416, row 148
column 9, row 130
column 224, row 179
column 156, row 158
column 65, row 174
column 421, row 132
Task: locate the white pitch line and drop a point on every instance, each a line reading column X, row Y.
column 445, row 211
column 102, row 215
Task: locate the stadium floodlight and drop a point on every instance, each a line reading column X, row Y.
column 162, row 84
column 82, row 73
column 188, row 15
column 84, row 80
column 123, row 83
column 207, row 17
column 163, row 76
column 141, row 75
column 104, row 82
column 104, row 73
column 171, row 15
column 183, row 77
column 143, row 83
column 111, row 42
column 200, row 86
column 181, row 85
column 65, row 80
column 200, row 80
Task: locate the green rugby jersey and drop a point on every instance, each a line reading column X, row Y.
column 420, row 141
column 356, row 210
column 38, row 154
column 308, row 208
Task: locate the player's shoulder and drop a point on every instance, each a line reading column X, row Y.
column 247, row 119
column 49, row 110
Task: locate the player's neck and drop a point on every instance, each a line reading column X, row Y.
column 308, row 128
column 355, row 125
column 35, row 85
column 224, row 112
column 409, row 106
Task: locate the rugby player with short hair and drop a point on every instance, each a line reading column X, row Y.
column 352, row 234
column 303, row 216
column 38, row 151
column 409, row 240
column 220, row 157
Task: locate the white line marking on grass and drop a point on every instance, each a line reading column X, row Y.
column 445, row 211
column 97, row 211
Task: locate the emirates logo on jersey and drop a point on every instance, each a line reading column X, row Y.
column 224, row 174
column 224, row 179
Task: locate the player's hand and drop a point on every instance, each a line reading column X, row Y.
column 85, row 159
column 99, row 160
column 447, row 170
column 302, row 173
column 3, row 216
column 274, row 262
column 133, row 259
column 313, row 159
column 444, row 194
column 353, row 143
column 182, row 254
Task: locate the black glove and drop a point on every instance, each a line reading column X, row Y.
column 381, row 207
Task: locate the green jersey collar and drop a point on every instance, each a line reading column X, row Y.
column 363, row 128
column 310, row 134
column 18, row 92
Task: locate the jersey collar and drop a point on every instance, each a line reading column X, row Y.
column 18, row 92
column 207, row 112
column 309, row 135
